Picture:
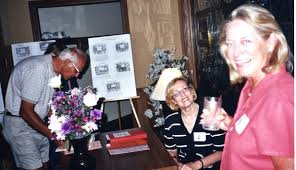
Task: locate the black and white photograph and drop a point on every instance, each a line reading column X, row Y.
column 99, row 49
column 123, row 66
column 102, row 69
column 43, row 45
column 113, row 86
column 121, row 47
column 23, row 51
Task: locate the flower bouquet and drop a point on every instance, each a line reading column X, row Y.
column 74, row 114
column 74, row 117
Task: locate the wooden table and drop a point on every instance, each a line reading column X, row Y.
column 156, row 158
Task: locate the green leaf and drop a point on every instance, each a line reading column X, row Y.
column 67, row 145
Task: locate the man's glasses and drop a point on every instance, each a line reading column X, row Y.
column 78, row 71
column 183, row 91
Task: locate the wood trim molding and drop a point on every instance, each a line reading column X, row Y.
column 188, row 39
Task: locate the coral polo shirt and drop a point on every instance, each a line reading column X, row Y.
column 263, row 125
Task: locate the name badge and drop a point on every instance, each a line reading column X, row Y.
column 199, row 136
column 242, row 123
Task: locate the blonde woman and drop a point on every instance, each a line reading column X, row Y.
column 261, row 133
column 189, row 144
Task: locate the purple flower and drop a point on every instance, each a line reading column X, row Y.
column 66, row 128
column 58, row 93
column 78, row 113
column 97, row 114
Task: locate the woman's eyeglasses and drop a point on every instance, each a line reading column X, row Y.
column 183, row 91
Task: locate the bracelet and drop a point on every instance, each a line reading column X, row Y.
column 201, row 164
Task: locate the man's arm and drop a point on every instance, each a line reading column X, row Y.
column 28, row 114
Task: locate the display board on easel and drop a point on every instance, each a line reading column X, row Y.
column 112, row 68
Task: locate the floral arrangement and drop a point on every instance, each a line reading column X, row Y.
column 73, row 112
column 162, row 58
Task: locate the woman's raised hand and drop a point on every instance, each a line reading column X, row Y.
column 221, row 116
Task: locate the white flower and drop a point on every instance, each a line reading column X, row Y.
column 146, row 90
column 157, row 112
column 148, row 113
column 53, row 109
column 75, row 91
column 159, row 121
column 55, row 125
column 90, row 99
column 90, row 126
column 55, row 82
column 60, row 135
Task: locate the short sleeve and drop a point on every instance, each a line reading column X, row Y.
column 274, row 132
column 33, row 82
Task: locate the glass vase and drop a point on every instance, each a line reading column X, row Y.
column 81, row 160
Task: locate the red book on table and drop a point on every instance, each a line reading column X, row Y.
column 128, row 136
column 139, row 142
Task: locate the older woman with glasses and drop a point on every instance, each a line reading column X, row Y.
column 188, row 143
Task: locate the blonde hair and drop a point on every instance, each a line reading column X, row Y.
column 265, row 24
column 170, row 92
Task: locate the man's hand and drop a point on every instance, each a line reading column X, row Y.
column 60, row 144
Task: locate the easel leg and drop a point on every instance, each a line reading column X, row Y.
column 119, row 115
column 134, row 112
